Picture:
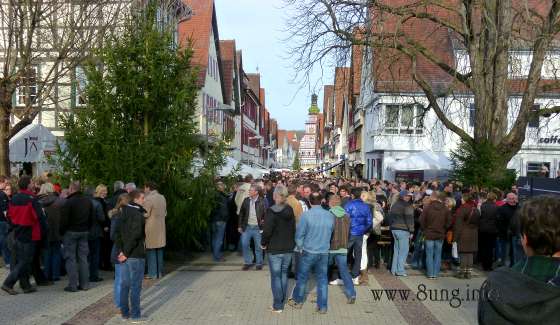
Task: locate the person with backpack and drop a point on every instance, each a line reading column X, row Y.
column 339, row 251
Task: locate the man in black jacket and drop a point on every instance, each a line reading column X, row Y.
column 77, row 219
column 220, row 216
column 505, row 219
column 251, row 221
column 130, row 238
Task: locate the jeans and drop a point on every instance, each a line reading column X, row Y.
column 94, row 257
column 218, row 231
column 502, row 251
column 21, row 265
column 254, row 233
column 355, row 244
column 318, row 263
column 344, row 273
column 400, row 251
column 154, row 258
column 76, row 254
column 117, row 284
column 279, row 265
column 4, row 251
column 518, row 252
column 433, row 256
column 52, row 260
column 131, row 287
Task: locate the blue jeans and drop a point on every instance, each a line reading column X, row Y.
column 218, row 231
column 52, row 260
column 154, row 257
column 502, row 251
column 318, row 263
column 518, row 252
column 433, row 256
column 279, row 265
column 344, row 273
column 355, row 244
column 117, row 284
column 400, row 251
column 131, row 287
column 4, row 251
column 254, row 233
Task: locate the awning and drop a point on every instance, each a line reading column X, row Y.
column 34, row 143
column 331, row 166
column 425, row 160
column 244, row 170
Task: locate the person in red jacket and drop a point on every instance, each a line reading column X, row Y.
column 24, row 212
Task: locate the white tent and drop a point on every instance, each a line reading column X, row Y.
column 33, row 144
column 425, row 160
column 244, row 170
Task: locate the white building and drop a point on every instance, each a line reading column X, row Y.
column 308, row 144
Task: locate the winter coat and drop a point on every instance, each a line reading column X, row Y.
column 156, row 208
column 129, row 235
column 77, row 214
column 505, row 218
column 465, row 230
column 52, row 205
column 434, row 221
column 339, row 241
column 260, row 210
column 401, row 216
column 488, row 218
column 360, row 215
column 279, row 230
column 220, row 211
column 96, row 230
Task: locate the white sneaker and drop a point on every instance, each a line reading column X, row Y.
column 356, row 281
column 337, row 282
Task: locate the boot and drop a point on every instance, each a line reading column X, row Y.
column 468, row 273
column 364, row 279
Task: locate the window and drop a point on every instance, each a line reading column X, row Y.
column 27, row 83
column 519, row 64
column 404, row 119
column 535, row 169
column 463, row 64
column 472, row 114
column 81, row 84
column 534, row 119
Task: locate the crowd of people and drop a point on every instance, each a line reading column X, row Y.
column 339, row 229
column 47, row 231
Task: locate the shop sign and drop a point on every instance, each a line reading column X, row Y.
column 550, row 140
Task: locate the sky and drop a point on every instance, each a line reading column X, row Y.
column 257, row 27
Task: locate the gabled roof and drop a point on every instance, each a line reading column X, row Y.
column 227, row 51
column 255, row 83
column 196, row 33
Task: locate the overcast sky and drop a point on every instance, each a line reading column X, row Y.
column 257, row 26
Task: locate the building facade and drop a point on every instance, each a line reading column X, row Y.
column 308, row 144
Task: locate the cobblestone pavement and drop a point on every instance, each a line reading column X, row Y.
column 203, row 292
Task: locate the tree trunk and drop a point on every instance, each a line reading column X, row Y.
column 4, row 140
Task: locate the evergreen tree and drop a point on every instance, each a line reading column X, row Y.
column 297, row 164
column 138, row 124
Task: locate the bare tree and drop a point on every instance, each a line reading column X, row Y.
column 485, row 34
column 42, row 42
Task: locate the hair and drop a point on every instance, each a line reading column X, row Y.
column 46, row 188
column 371, row 198
column 122, row 200
column 442, row 196
column 292, row 189
column 356, row 192
column 23, row 182
column 450, row 202
column 75, row 187
column 315, row 198
column 248, row 178
column 256, row 188
column 118, row 185
column 134, row 195
column 151, row 185
column 281, row 192
column 100, row 188
column 89, row 191
column 492, row 197
column 540, row 223
column 131, row 186
column 334, row 199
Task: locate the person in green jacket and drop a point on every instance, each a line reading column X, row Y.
column 338, row 250
column 529, row 292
